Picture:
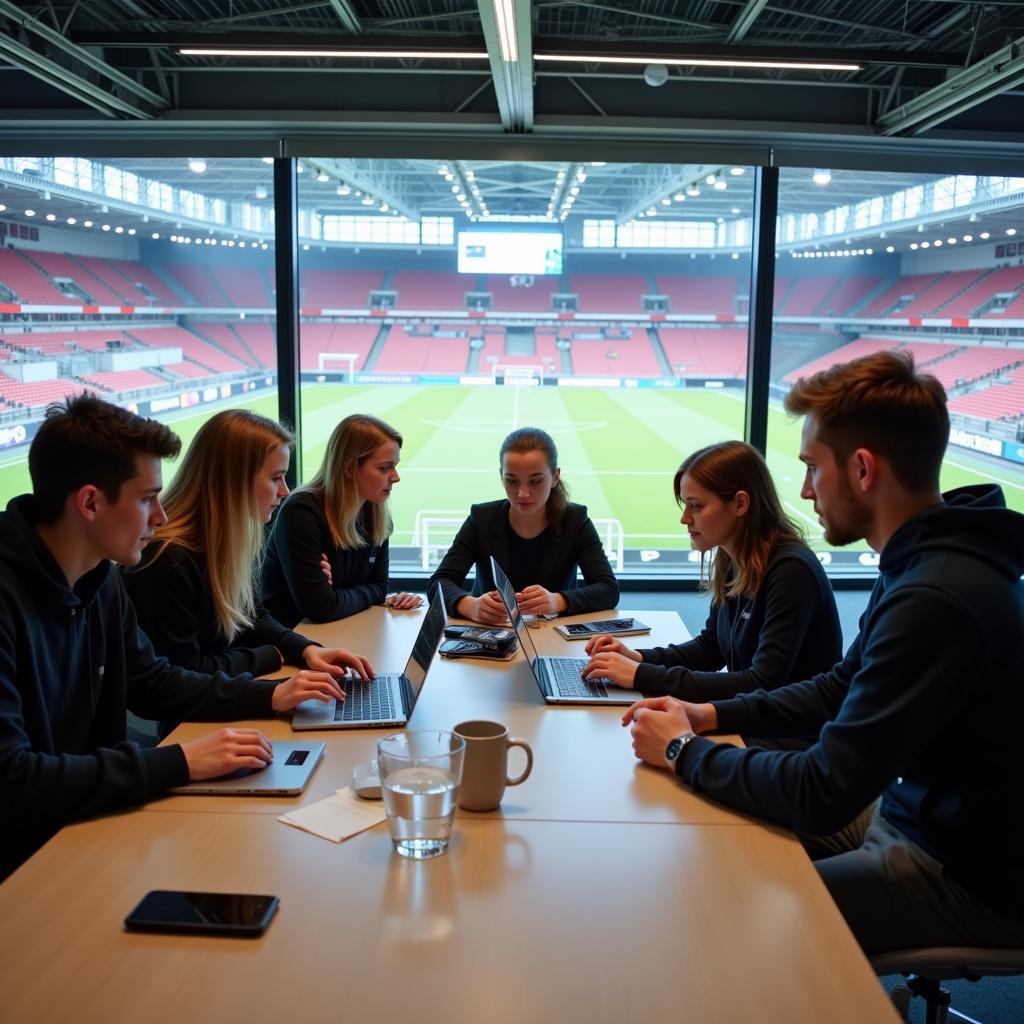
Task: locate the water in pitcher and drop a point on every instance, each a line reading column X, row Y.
column 420, row 803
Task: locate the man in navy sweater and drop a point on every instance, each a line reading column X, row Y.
column 926, row 708
column 72, row 658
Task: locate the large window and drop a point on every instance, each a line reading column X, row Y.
column 458, row 300
column 939, row 275
column 147, row 281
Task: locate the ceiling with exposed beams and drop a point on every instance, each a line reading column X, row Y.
column 937, row 68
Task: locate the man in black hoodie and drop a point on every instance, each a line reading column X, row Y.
column 72, row 658
column 926, row 707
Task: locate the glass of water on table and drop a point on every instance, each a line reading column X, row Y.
column 420, row 772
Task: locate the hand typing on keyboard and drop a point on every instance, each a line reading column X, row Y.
column 612, row 667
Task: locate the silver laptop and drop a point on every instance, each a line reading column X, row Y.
column 286, row 775
column 558, row 678
column 387, row 699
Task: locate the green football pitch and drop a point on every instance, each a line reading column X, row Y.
column 618, row 449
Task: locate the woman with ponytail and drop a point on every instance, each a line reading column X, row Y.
column 537, row 536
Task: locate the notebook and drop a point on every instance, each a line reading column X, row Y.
column 286, row 775
column 387, row 699
column 558, row 678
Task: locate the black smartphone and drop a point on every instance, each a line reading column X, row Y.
column 202, row 913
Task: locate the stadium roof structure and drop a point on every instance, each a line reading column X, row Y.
column 711, row 74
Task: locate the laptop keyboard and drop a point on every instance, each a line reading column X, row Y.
column 566, row 675
column 370, row 701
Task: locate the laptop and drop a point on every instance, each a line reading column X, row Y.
column 387, row 699
column 286, row 775
column 558, row 678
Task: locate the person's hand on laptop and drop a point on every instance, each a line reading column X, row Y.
column 487, row 609
column 605, row 644
column 658, row 720
column 403, row 601
column 607, row 665
column 306, row 685
column 225, row 751
column 337, row 661
column 536, row 600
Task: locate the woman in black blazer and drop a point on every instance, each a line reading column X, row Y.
column 536, row 535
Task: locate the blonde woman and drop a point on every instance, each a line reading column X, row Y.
column 195, row 591
column 327, row 557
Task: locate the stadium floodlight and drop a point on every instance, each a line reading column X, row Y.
column 156, row 236
column 30, row 213
column 2, row 207
column 197, row 166
column 51, row 217
column 1011, row 231
column 71, row 220
column 822, row 176
column 87, row 224
column 890, row 248
column 984, row 235
column 737, row 171
column 693, row 190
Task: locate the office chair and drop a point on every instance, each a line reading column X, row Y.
column 926, row 968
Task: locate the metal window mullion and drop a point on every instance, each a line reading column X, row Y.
column 286, row 263
column 762, row 297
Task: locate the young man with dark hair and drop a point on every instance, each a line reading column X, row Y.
column 72, row 658
column 926, row 707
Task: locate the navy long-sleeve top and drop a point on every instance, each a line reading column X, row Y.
column 174, row 604
column 553, row 559
column 294, row 586
column 788, row 630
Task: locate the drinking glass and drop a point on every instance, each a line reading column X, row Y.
column 420, row 772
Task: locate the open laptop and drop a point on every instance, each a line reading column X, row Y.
column 558, row 678
column 286, row 775
column 387, row 699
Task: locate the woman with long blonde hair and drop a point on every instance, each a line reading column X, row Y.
column 327, row 557
column 195, row 589
column 773, row 616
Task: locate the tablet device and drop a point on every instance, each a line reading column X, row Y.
column 602, row 627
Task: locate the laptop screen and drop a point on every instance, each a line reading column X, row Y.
column 507, row 593
column 425, row 645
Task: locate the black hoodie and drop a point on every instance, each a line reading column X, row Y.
column 926, row 708
column 71, row 662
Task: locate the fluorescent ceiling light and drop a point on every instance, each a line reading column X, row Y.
column 222, row 51
column 505, row 17
column 794, row 64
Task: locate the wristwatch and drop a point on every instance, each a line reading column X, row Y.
column 676, row 747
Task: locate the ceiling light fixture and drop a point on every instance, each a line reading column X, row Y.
column 822, row 176
column 197, row 166
column 788, row 64
column 504, row 15
column 336, row 54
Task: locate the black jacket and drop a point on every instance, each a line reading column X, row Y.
column 174, row 605
column 926, row 707
column 71, row 663
column 485, row 533
column 294, row 586
column 788, row 630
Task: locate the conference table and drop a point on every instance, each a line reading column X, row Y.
column 601, row 889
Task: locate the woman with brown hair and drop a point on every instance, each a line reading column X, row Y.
column 536, row 535
column 327, row 557
column 773, row 617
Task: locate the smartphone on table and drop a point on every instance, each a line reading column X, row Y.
column 202, row 913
